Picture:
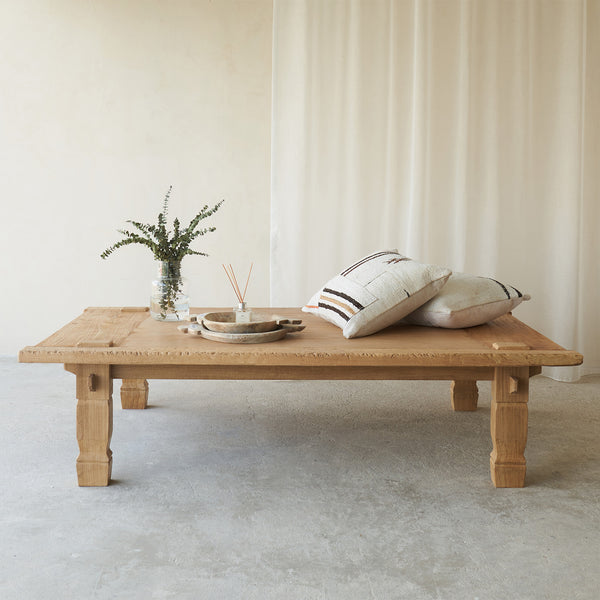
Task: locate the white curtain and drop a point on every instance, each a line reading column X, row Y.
column 464, row 133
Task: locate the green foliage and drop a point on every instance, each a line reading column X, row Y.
column 166, row 246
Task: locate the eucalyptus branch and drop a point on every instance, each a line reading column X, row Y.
column 166, row 245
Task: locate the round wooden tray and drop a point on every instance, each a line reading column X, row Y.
column 240, row 338
column 224, row 322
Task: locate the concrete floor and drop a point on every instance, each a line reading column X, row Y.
column 297, row 490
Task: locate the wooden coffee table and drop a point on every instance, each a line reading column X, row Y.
column 104, row 344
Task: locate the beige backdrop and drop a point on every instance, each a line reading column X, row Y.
column 105, row 104
column 461, row 132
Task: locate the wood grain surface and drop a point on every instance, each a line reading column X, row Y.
column 136, row 338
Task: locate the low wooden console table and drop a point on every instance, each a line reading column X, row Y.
column 104, row 344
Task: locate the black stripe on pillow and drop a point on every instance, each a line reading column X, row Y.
column 518, row 292
column 366, row 259
column 502, row 286
column 345, row 297
column 334, row 309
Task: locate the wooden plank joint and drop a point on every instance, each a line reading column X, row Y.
column 510, row 346
column 95, row 344
column 513, row 385
column 92, row 382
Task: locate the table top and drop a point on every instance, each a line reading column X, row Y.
column 129, row 336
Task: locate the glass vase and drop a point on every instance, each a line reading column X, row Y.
column 169, row 300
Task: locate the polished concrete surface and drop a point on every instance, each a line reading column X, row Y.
column 297, row 490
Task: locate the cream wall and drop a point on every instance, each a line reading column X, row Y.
column 105, row 104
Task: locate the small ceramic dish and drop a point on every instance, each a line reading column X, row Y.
column 224, row 322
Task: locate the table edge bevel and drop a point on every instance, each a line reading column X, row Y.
column 429, row 358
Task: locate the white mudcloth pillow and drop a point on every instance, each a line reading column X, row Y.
column 466, row 301
column 376, row 292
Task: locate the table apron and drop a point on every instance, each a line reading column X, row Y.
column 262, row 372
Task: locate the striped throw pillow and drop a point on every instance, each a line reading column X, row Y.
column 375, row 292
column 467, row 301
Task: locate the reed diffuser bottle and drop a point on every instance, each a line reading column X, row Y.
column 243, row 314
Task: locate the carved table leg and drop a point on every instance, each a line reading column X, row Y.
column 464, row 395
column 134, row 393
column 94, row 424
column 510, row 393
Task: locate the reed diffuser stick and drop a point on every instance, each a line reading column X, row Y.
column 237, row 287
column 231, row 282
column 234, row 283
column 248, row 280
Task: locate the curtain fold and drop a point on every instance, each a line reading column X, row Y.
column 462, row 133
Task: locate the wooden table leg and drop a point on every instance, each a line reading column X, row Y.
column 134, row 393
column 94, row 424
column 510, row 393
column 464, row 395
